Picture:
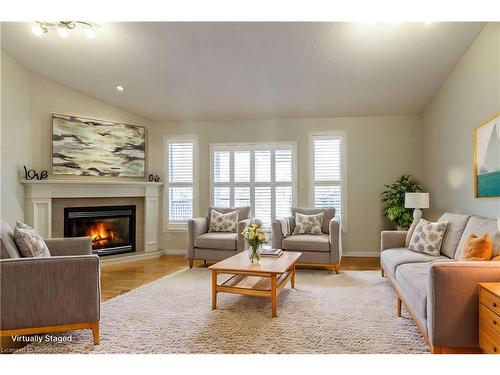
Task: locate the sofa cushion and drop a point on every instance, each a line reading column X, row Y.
column 412, row 282
column 479, row 226
column 427, row 237
column 7, row 243
column 329, row 215
column 392, row 258
column 456, row 226
column 306, row 242
column 216, row 240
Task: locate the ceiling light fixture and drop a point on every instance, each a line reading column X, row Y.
column 64, row 27
column 120, row 88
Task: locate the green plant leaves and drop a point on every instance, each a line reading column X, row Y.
column 394, row 201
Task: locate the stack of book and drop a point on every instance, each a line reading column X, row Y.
column 271, row 252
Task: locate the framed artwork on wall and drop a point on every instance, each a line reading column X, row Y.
column 89, row 147
column 487, row 159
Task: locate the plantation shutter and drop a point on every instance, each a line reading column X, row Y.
column 327, row 172
column 180, row 180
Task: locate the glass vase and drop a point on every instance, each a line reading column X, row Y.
column 253, row 254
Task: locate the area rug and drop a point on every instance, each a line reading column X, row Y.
column 353, row 312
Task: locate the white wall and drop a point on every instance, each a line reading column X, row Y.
column 27, row 103
column 380, row 149
column 470, row 95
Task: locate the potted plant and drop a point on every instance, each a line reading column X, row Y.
column 394, row 201
column 254, row 235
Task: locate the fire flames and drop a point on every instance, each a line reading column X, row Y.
column 102, row 234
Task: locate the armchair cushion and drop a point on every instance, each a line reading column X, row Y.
column 392, row 258
column 9, row 247
column 69, row 246
column 243, row 212
column 329, row 215
column 216, row 240
column 307, row 242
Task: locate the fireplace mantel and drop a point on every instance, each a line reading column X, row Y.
column 39, row 195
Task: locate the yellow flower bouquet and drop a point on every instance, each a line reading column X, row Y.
column 255, row 236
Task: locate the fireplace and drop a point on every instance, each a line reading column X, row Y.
column 112, row 228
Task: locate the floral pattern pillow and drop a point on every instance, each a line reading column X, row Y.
column 427, row 237
column 223, row 222
column 29, row 242
column 308, row 224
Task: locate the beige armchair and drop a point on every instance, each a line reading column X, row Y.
column 204, row 245
column 322, row 249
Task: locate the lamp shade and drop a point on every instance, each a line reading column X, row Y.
column 416, row 200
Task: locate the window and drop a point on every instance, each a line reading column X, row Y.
column 327, row 171
column 181, row 190
column 259, row 175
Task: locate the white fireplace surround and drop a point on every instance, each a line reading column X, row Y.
column 39, row 195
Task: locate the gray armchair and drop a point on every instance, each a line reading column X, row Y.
column 43, row 295
column 322, row 249
column 204, row 245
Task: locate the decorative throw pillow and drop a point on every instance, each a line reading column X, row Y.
column 223, row 222
column 29, row 242
column 477, row 248
column 409, row 234
column 427, row 237
column 308, row 224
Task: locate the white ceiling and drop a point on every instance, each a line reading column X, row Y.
column 221, row 71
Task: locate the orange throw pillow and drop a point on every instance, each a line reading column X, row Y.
column 478, row 248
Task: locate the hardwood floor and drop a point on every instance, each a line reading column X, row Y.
column 121, row 278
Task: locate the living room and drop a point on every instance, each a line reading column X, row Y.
column 347, row 173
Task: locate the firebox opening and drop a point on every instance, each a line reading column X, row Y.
column 111, row 228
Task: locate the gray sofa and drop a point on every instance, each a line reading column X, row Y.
column 441, row 293
column 214, row 246
column 324, row 249
column 42, row 295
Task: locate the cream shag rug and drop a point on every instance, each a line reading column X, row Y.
column 353, row 312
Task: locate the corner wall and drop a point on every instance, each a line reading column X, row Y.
column 470, row 95
column 27, row 102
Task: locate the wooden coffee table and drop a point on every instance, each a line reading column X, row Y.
column 264, row 279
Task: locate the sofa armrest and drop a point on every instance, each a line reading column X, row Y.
column 196, row 226
column 335, row 238
column 40, row 292
column 390, row 239
column 452, row 301
column 241, row 244
column 69, row 246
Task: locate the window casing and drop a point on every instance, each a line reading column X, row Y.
column 327, row 172
column 260, row 175
column 181, row 190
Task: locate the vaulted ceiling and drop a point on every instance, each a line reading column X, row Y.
column 219, row 71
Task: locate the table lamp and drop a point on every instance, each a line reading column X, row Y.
column 417, row 201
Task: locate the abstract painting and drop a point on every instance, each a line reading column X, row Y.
column 487, row 159
column 88, row 147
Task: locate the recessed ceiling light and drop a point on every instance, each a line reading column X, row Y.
column 90, row 32
column 63, row 32
column 120, row 88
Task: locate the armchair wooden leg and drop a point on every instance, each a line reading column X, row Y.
column 191, row 263
column 382, row 272
column 336, row 267
column 398, row 306
column 95, row 332
column 205, row 262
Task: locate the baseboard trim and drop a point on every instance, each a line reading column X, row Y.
column 362, row 254
column 119, row 259
column 175, row 252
